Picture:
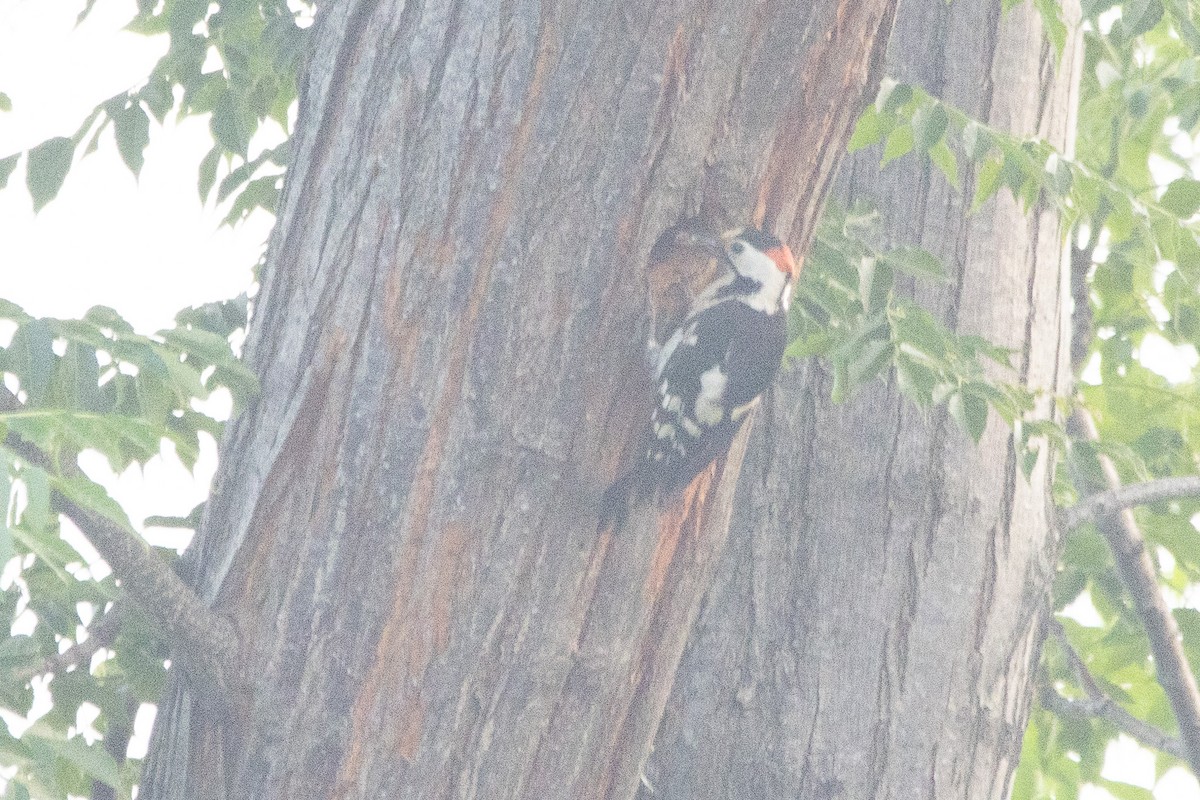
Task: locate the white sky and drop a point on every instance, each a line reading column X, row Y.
column 144, row 246
column 147, row 247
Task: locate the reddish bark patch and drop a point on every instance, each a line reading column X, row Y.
column 798, row 163
column 690, row 505
column 400, row 640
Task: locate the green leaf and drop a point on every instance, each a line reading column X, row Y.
column 1182, row 197
column 11, row 311
column 132, row 128
column 211, row 347
column 92, row 760
column 7, row 550
column 929, row 125
column 969, row 411
column 236, row 178
column 158, row 96
column 208, row 171
column 892, row 95
column 191, row 521
column 93, row 497
column 227, row 125
column 875, row 283
column 241, row 382
column 945, row 160
column 899, row 143
column 915, row 380
column 867, row 131
column 916, row 261
column 7, row 165
column 1139, row 16
column 987, row 181
column 1181, row 17
column 977, row 141
column 36, row 518
column 47, row 169
column 87, row 9
column 1052, row 23
column 1126, row 791
column 259, row 193
column 5, row 102
column 31, row 358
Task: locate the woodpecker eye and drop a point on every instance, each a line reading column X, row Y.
column 737, row 248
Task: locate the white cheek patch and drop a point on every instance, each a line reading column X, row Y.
column 709, row 409
column 774, row 286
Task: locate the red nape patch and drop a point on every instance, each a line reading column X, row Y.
column 782, row 256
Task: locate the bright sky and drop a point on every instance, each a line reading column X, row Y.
column 143, row 246
column 146, row 246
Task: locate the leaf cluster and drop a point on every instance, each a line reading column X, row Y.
column 68, row 386
column 1132, row 203
column 849, row 312
column 1137, row 259
column 235, row 62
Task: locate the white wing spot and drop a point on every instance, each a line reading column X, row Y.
column 709, row 409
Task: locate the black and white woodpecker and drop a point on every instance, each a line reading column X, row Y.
column 712, row 369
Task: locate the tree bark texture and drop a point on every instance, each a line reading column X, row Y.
column 878, row 613
column 449, row 338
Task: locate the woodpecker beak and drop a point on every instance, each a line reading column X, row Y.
column 782, row 256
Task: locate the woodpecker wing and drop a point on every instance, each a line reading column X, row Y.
column 723, row 359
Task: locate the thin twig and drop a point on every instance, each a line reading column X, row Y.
column 101, row 634
column 1099, row 704
column 1140, row 579
column 1137, row 494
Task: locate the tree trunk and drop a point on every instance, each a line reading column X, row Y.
column 876, row 620
column 449, row 340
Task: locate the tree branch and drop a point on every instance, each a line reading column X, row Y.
column 1145, row 733
column 1138, row 494
column 1140, row 579
column 204, row 643
column 1099, row 704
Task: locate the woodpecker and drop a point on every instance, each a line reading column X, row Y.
column 711, row 370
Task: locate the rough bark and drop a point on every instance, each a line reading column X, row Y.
column 449, row 341
column 880, row 607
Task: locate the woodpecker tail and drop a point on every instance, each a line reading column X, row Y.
column 626, row 493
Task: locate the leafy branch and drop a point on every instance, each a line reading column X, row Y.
column 847, row 311
column 1139, row 577
column 1098, row 704
column 95, row 384
column 207, row 643
column 258, row 46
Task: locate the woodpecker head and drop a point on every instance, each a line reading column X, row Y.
column 760, row 257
